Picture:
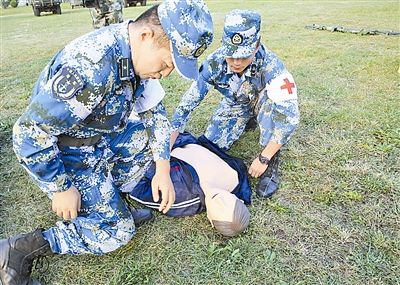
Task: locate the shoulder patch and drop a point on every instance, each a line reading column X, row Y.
column 66, row 83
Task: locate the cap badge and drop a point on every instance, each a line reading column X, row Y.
column 237, row 39
column 199, row 51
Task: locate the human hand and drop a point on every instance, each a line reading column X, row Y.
column 257, row 168
column 67, row 204
column 161, row 182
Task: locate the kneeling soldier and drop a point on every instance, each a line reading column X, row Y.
column 254, row 83
column 77, row 143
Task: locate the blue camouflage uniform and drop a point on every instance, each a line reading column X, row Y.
column 78, row 130
column 265, row 90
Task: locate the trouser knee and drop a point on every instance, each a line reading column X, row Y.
column 122, row 235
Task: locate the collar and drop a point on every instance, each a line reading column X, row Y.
column 227, row 68
column 121, row 33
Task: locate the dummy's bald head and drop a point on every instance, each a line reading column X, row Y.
column 240, row 221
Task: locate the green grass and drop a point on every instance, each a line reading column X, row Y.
column 335, row 219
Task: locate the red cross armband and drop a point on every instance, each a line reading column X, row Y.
column 282, row 88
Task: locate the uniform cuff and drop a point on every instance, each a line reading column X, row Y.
column 178, row 127
column 161, row 156
column 281, row 141
column 63, row 183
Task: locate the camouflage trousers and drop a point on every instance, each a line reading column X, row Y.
column 101, row 173
column 101, row 18
column 229, row 122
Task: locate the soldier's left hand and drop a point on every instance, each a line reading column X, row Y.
column 67, row 204
column 162, row 183
column 257, row 168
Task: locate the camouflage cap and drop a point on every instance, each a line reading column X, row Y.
column 241, row 33
column 189, row 26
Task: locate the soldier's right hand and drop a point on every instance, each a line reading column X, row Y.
column 67, row 204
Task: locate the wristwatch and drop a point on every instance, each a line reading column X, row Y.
column 263, row 159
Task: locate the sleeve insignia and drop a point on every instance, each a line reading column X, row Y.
column 67, row 83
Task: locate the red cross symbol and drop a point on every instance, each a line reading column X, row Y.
column 288, row 85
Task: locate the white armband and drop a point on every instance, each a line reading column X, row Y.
column 282, row 88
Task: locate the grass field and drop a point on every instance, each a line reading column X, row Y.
column 336, row 218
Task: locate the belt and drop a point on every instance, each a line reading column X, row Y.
column 64, row 140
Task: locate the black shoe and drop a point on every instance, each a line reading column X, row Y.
column 252, row 124
column 268, row 183
column 141, row 216
column 17, row 255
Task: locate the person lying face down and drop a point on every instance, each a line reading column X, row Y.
column 204, row 180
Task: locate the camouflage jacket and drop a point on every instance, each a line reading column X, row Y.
column 88, row 89
column 266, row 85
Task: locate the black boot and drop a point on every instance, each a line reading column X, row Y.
column 141, row 216
column 268, row 183
column 16, row 257
column 252, row 124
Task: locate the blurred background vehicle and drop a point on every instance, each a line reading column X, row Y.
column 75, row 3
column 39, row 6
column 135, row 2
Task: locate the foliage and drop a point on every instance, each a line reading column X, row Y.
column 4, row 4
column 14, row 3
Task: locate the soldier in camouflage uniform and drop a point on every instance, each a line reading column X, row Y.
column 78, row 143
column 254, row 83
column 106, row 12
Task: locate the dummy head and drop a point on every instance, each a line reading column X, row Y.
column 227, row 213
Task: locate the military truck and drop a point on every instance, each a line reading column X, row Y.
column 40, row 6
column 134, row 2
column 75, row 3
